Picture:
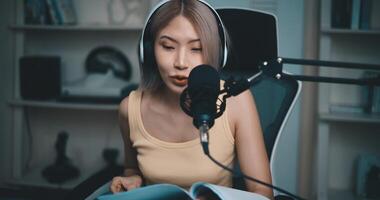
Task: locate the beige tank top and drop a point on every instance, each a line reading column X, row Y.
column 184, row 163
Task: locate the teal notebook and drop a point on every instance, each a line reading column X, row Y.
column 173, row 192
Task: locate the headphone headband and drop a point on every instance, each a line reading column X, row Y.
column 220, row 25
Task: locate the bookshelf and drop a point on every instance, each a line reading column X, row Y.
column 337, row 31
column 63, row 105
column 92, row 127
column 33, row 178
column 347, row 132
column 350, row 118
column 86, row 27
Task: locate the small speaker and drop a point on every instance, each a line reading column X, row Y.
column 40, row 77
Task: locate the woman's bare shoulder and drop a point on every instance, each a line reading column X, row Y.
column 123, row 107
column 239, row 103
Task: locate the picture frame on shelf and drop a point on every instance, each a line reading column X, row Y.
column 131, row 13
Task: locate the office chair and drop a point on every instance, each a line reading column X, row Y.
column 253, row 36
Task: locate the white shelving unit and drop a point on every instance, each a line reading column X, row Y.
column 343, row 136
column 33, row 178
column 93, row 126
column 63, row 105
column 350, row 118
column 73, row 28
column 349, row 32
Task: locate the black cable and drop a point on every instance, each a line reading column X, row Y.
column 205, row 148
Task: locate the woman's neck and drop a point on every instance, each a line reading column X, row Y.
column 167, row 98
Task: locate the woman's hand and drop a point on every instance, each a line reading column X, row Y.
column 121, row 183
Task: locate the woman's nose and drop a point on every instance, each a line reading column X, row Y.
column 181, row 60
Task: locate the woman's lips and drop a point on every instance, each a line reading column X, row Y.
column 179, row 80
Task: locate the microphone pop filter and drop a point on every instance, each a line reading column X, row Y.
column 204, row 77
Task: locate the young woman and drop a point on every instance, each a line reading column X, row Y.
column 161, row 143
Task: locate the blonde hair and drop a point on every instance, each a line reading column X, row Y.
column 205, row 23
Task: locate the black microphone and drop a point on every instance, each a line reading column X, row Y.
column 199, row 99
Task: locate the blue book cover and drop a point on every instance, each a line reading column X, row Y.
column 56, row 16
column 355, row 16
column 67, row 11
column 341, row 12
column 365, row 13
column 173, row 192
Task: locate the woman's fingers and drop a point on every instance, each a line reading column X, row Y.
column 120, row 184
column 131, row 182
column 117, row 184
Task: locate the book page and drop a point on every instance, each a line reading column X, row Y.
column 224, row 193
column 158, row 191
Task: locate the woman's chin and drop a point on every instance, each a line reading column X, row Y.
column 177, row 89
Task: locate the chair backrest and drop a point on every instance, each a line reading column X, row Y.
column 253, row 35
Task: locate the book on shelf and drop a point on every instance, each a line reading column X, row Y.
column 355, row 15
column 375, row 15
column 67, row 11
column 373, row 93
column 61, row 12
column 365, row 14
column 376, row 100
column 35, row 12
column 170, row 191
column 355, row 109
column 341, row 12
column 365, row 181
column 369, row 14
column 55, row 17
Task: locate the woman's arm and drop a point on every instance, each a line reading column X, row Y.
column 130, row 160
column 131, row 177
column 249, row 142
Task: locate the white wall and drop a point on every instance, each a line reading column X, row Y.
column 290, row 25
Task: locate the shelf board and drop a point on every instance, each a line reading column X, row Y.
column 64, row 105
column 349, row 31
column 84, row 27
column 34, row 178
column 350, row 117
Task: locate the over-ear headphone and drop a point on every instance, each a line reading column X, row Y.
column 146, row 44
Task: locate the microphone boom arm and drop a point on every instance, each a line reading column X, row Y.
column 276, row 71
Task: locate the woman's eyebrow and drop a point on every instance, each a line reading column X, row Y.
column 168, row 37
column 195, row 40
column 174, row 40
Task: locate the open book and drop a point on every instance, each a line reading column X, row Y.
column 173, row 192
